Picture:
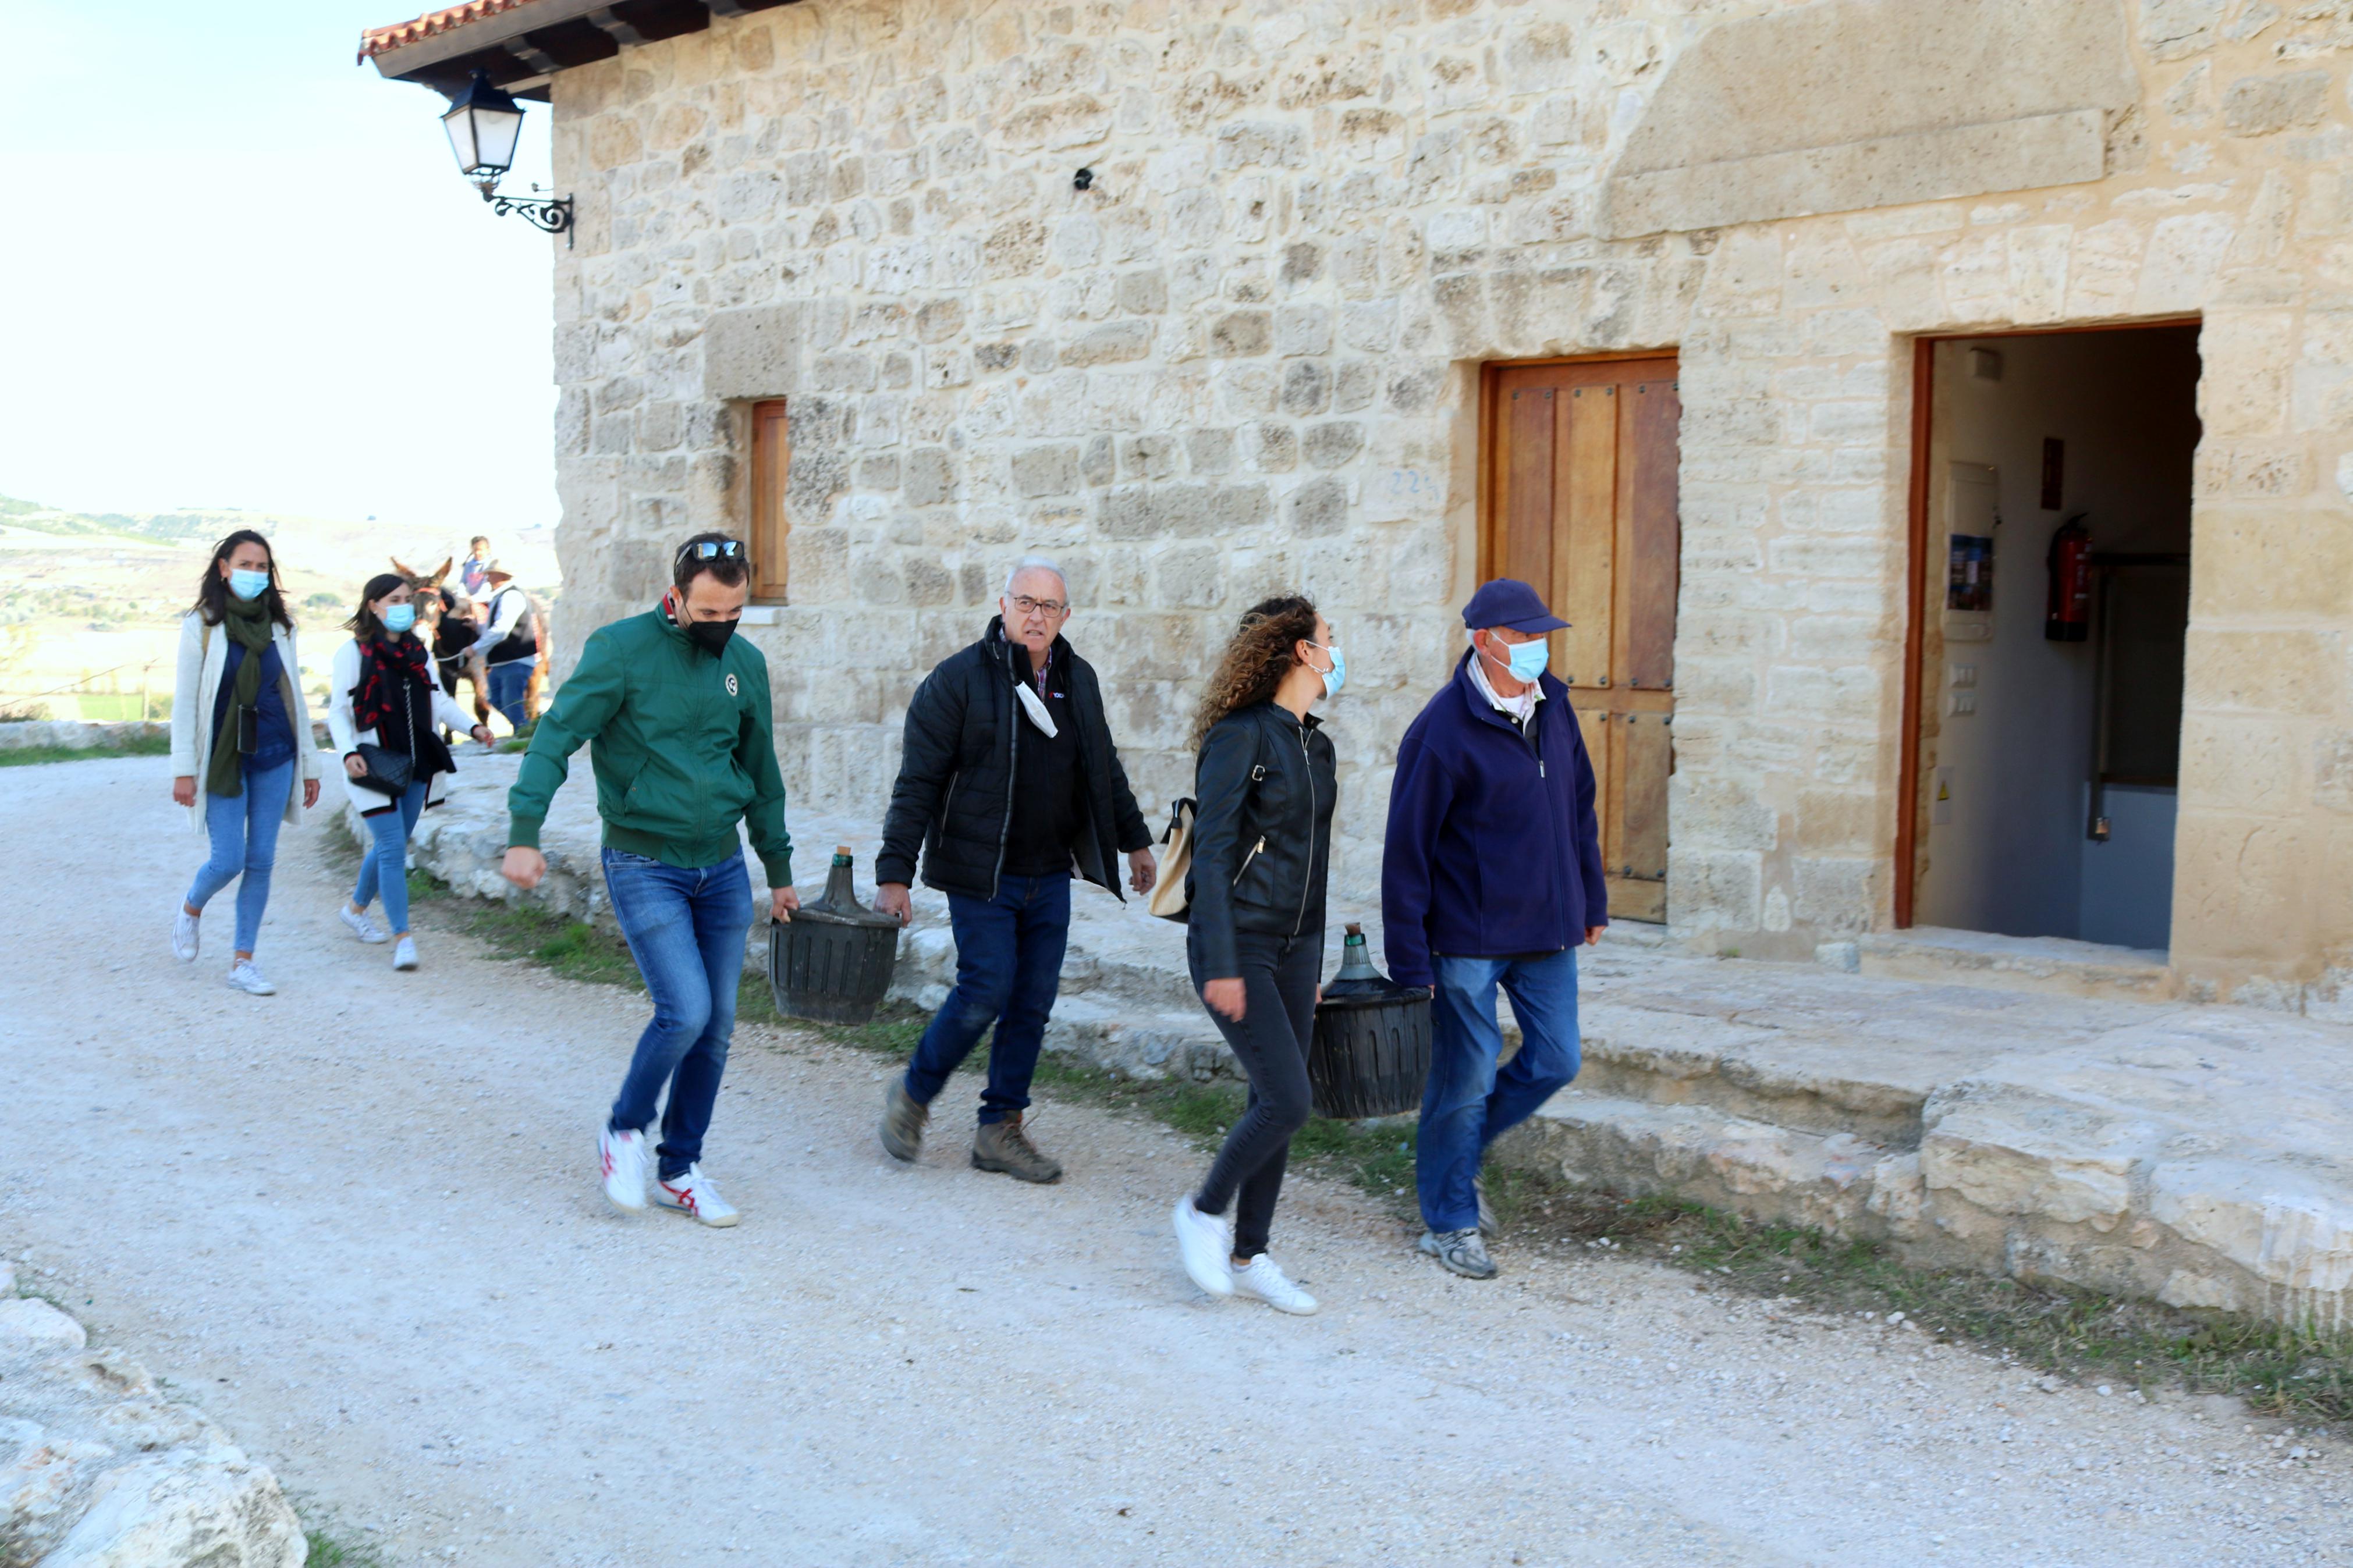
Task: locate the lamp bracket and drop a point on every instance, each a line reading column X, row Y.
column 551, row 215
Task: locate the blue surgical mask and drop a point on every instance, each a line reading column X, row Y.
column 1525, row 660
column 1335, row 677
column 249, row 584
column 400, row 618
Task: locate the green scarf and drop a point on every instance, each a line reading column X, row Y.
column 247, row 624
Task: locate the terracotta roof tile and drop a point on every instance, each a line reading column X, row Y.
column 383, row 40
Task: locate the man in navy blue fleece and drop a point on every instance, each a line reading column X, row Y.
column 1491, row 876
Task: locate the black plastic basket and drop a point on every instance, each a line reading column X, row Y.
column 1370, row 1056
column 831, row 963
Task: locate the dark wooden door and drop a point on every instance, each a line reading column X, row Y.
column 1580, row 501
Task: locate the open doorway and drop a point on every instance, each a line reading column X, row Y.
column 2051, row 561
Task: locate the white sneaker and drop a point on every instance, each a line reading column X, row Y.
column 404, row 953
column 184, row 934
column 1207, row 1246
column 692, row 1195
column 622, row 1156
column 361, row 926
column 1265, row 1280
column 243, row 976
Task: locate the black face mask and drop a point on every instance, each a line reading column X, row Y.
column 711, row 637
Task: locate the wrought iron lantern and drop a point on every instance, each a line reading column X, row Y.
column 484, row 124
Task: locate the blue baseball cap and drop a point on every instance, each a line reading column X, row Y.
column 1508, row 601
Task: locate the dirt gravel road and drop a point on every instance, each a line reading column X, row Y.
column 356, row 1223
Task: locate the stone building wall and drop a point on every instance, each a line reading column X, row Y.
column 1248, row 358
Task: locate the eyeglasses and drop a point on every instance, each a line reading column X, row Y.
column 1026, row 605
column 711, row 550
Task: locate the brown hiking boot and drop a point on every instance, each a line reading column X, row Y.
column 902, row 1122
column 1003, row 1146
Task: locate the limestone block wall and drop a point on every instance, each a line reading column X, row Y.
column 1246, row 359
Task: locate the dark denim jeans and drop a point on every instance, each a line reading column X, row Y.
column 1469, row 1102
column 686, row 930
column 509, row 684
column 1009, row 967
column 244, row 832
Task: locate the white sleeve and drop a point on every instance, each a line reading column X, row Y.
column 340, row 685
column 507, row 612
column 447, row 711
column 189, row 694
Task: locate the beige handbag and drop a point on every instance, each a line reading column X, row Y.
column 1168, row 893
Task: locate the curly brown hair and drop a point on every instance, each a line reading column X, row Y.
column 1260, row 654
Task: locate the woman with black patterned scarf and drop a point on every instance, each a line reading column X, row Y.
column 385, row 700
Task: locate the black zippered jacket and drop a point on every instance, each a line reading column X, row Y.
column 959, row 762
column 1265, row 783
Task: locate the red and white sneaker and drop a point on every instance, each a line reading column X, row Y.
column 622, row 1159
column 692, row 1195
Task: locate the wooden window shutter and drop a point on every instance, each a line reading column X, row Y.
column 770, row 462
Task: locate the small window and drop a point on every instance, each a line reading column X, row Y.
column 771, row 461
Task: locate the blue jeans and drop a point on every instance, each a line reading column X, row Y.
column 1009, row 967
column 385, row 868
column 244, row 833
column 509, row 684
column 686, row 930
column 1469, row 1102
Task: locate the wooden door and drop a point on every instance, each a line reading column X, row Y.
column 1579, row 499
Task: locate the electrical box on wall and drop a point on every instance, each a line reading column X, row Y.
column 1972, row 514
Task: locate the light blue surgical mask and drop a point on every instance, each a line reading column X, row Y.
column 400, row 618
column 249, row 584
column 1335, row 677
column 1525, row 660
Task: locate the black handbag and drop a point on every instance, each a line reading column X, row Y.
column 388, row 771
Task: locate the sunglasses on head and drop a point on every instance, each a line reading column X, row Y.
column 711, row 550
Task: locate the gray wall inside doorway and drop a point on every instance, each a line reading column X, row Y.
column 2010, row 853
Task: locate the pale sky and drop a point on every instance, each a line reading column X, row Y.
column 240, row 269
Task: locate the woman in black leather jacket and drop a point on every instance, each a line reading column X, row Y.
column 1266, row 782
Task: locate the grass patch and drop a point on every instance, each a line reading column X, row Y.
column 2279, row 1370
column 334, row 1551
column 135, row 746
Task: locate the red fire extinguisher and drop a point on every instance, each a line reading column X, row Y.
column 2067, row 616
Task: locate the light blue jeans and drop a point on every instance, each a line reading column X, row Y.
column 244, row 832
column 385, row 869
column 1470, row 1102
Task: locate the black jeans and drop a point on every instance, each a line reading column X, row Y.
column 1279, row 976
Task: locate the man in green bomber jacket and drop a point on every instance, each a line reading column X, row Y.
column 674, row 711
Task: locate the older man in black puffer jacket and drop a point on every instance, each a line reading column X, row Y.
column 1009, row 779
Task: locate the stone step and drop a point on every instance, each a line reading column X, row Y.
column 1175, row 1044
column 1807, row 1083
column 2049, row 966
column 1835, row 1182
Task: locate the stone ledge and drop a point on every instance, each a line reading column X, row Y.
column 77, row 736
column 108, row 1473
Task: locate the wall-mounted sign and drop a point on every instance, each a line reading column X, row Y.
column 1968, row 572
column 2054, row 472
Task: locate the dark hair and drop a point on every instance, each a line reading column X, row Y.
column 363, row 624
column 477, row 539
column 1263, row 649
column 211, row 589
column 730, row 570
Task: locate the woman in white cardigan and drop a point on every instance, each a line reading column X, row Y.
column 383, row 697
column 240, row 737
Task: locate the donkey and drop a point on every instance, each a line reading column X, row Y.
column 455, row 656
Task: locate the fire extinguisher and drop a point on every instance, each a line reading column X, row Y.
column 2067, row 616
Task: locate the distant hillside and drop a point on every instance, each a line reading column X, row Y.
column 165, row 526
